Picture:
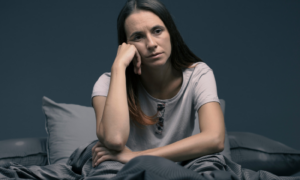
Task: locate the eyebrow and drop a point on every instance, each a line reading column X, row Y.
column 140, row 32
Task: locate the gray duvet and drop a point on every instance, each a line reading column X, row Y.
column 79, row 166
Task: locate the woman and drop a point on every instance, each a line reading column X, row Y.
column 147, row 104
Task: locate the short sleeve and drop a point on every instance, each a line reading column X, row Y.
column 101, row 86
column 205, row 88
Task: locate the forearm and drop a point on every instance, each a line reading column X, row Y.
column 114, row 126
column 192, row 147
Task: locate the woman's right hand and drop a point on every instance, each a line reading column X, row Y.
column 127, row 53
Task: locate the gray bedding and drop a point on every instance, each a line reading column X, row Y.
column 79, row 166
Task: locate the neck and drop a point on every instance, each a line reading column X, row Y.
column 161, row 82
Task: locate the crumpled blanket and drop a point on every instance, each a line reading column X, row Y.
column 79, row 167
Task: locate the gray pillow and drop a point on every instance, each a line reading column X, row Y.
column 68, row 126
column 24, row 151
column 226, row 151
column 256, row 152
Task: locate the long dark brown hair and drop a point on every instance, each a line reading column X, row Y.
column 181, row 56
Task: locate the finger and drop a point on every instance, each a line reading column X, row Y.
column 94, row 153
column 96, row 157
column 96, row 145
column 103, row 158
column 139, row 62
column 134, row 59
column 118, row 49
column 99, row 158
column 98, row 150
column 140, row 71
column 134, row 65
column 99, row 143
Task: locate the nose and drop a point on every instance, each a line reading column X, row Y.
column 151, row 43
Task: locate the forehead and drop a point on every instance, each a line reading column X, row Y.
column 141, row 21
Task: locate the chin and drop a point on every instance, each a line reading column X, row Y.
column 157, row 62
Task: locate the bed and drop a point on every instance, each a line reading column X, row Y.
column 63, row 154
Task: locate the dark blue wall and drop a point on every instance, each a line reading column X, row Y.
column 59, row 49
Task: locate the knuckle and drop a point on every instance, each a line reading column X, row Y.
column 99, row 160
column 104, row 158
column 96, row 156
column 99, row 154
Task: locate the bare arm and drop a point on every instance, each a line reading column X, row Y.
column 209, row 141
column 113, row 123
column 112, row 114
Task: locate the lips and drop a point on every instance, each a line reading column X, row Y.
column 152, row 55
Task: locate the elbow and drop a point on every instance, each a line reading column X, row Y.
column 112, row 143
column 115, row 145
column 219, row 143
column 220, row 146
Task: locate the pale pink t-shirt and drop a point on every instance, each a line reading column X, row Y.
column 178, row 114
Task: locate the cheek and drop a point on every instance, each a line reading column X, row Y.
column 168, row 45
column 140, row 49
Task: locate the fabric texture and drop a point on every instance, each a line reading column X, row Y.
column 160, row 124
column 180, row 112
column 256, row 152
column 79, row 167
column 24, row 151
column 68, row 126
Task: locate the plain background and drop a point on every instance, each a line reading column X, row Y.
column 59, row 49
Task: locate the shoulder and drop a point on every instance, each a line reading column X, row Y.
column 105, row 75
column 104, row 78
column 200, row 66
column 203, row 85
column 102, row 85
column 200, row 69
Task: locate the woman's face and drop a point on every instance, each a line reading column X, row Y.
column 149, row 35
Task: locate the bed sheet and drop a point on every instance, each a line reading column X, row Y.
column 79, row 166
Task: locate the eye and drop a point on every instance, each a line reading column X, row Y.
column 137, row 37
column 157, row 31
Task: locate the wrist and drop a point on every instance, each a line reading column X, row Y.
column 148, row 152
column 118, row 67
